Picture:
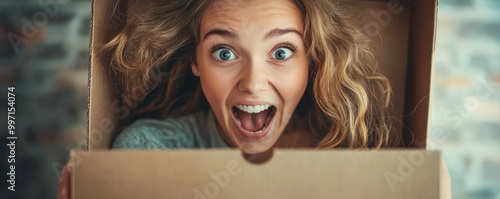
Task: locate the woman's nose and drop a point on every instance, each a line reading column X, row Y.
column 254, row 79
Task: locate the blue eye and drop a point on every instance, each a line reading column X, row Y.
column 282, row 53
column 224, row 54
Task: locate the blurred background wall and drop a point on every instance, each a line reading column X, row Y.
column 48, row 67
column 465, row 106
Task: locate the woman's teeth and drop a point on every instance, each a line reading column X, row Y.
column 253, row 109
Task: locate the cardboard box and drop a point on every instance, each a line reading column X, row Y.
column 403, row 34
column 203, row 174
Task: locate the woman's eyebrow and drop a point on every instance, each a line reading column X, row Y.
column 279, row 31
column 221, row 32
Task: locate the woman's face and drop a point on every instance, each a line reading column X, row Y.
column 253, row 68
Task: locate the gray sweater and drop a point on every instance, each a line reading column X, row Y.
column 197, row 130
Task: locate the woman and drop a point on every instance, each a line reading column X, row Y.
column 298, row 61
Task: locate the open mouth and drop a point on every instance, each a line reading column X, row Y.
column 253, row 121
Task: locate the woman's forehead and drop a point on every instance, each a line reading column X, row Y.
column 241, row 15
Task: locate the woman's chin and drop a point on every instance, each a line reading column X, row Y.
column 255, row 147
column 255, row 150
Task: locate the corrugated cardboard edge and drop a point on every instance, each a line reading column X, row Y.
column 89, row 72
column 102, row 96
